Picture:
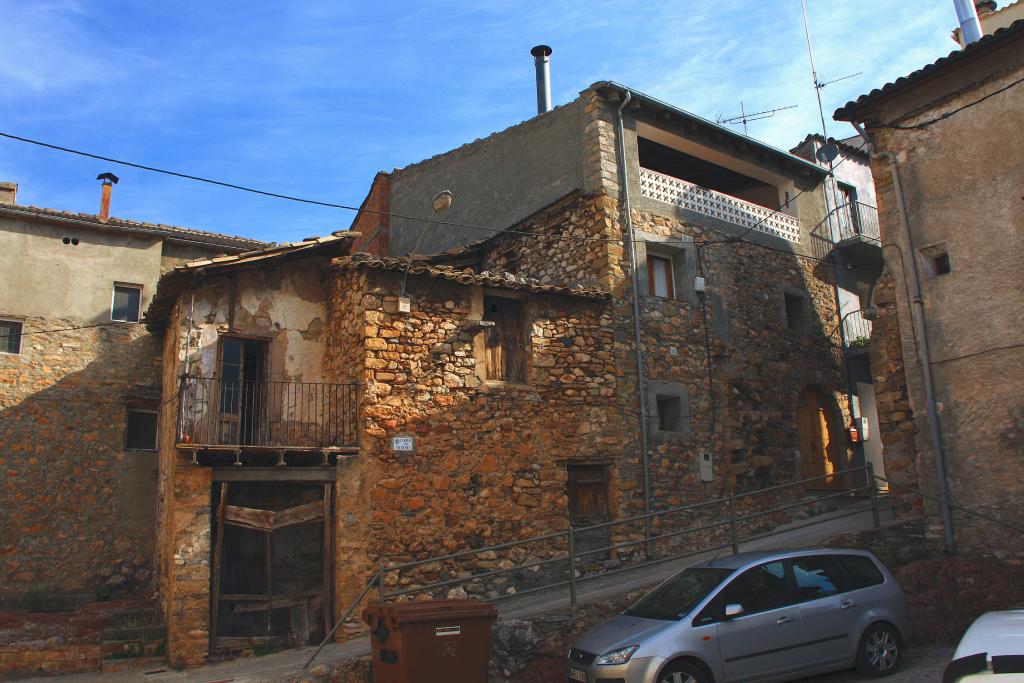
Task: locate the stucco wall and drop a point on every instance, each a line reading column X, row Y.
column 967, row 197
column 45, row 277
column 496, row 181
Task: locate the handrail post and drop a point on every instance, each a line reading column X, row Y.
column 572, row 567
column 873, row 492
column 732, row 524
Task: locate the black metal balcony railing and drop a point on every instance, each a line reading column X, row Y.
column 266, row 413
column 857, row 219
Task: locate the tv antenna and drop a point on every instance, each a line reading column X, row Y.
column 746, row 117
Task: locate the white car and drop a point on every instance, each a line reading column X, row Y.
column 992, row 646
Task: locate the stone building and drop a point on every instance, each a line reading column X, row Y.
column 947, row 163
column 79, row 391
column 849, row 239
column 336, row 406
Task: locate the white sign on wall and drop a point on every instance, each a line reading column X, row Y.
column 403, row 444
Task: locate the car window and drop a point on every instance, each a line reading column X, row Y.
column 676, row 597
column 862, row 570
column 818, row 576
column 759, row 589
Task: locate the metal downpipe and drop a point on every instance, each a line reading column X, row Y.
column 640, row 374
column 918, row 321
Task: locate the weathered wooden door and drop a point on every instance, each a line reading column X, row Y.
column 815, row 438
column 242, row 391
column 588, row 504
column 270, row 580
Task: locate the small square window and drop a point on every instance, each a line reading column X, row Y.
column 127, row 303
column 140, row 430
column 796, row 312
column 10, row 336
column 935, row 260
column 670, row 413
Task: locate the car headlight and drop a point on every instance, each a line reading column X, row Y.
column 620, row 656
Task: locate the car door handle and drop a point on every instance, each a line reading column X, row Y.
column 847, row 604
column 783, row 620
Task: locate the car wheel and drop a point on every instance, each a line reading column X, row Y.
column 683, row 672
column 879, row 651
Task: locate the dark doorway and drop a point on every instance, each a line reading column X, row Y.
column 588, row 504
column 243, row 391
column 270, row 578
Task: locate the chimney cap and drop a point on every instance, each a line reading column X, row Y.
column 108, row 176
column 541, row 51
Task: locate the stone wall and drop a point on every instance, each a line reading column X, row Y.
column 76, row 506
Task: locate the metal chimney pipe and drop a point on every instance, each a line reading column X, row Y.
column 109, row 180
column 541, row 61
column 970, row 27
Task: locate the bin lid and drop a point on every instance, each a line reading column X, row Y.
column 430, row 610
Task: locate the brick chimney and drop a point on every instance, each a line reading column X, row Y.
column 109, row 180
column 8, row 193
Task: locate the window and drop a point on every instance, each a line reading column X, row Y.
column 676, row 597
column 504, row 341
column 796, row 312
column 818, row 576
column 660, row 280
column 758, row 590
column 10, row 336
column 126, row 304
column 140, row 430
column 862, row 570
column 670, row 413
column 935, row 260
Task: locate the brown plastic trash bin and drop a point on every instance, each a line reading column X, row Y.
column 446, row 641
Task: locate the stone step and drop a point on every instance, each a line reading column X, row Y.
column 114, row 665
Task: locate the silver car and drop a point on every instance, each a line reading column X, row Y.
column 766, row 616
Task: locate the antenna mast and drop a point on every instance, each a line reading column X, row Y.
column 745, row 118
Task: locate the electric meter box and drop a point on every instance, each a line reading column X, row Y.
column 707, row 472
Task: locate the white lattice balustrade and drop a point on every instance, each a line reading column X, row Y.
column 717, row 205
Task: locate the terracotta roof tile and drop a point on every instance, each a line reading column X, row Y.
column 499, row 280
column 849, row 111
column 130, row 226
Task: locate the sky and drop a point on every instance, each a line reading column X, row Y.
column 313, row 98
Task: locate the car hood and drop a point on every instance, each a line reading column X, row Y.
column 997, row 633
column 618, row 632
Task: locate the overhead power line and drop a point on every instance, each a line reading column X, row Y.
column 435, row 221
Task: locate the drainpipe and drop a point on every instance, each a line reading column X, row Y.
column 920, row 330
column 640, row 374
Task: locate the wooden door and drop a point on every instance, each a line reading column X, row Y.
column 271, row 565
column 588, row 504
column 242, row 391
column 815, row 438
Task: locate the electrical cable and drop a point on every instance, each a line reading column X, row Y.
column 943, row 117
column 70, row 329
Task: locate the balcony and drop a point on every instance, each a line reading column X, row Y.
column 237, row 415
column 686, row 195
column 856, row 331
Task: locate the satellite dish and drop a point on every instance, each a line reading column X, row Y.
column 827, row 153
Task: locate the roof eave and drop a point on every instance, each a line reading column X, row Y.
column 779, row 154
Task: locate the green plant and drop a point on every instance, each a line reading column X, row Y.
column 103, row 592
column 861, row 342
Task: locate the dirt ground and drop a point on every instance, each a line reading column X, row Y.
column 84, row 625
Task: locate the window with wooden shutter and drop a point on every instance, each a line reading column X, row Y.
column 505, row 343
column 659, row 276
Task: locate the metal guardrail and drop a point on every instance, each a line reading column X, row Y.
column 379, row 578
column 857, row 219
column 856, row 330
column 729, row 518
column 266, row 413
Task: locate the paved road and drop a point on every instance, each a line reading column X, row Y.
column 920, row 665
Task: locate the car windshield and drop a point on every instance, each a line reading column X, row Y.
column 675, row 598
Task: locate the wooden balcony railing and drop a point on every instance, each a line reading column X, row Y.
column 215, row 412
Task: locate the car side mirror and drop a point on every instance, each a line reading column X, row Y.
column 733, row 610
